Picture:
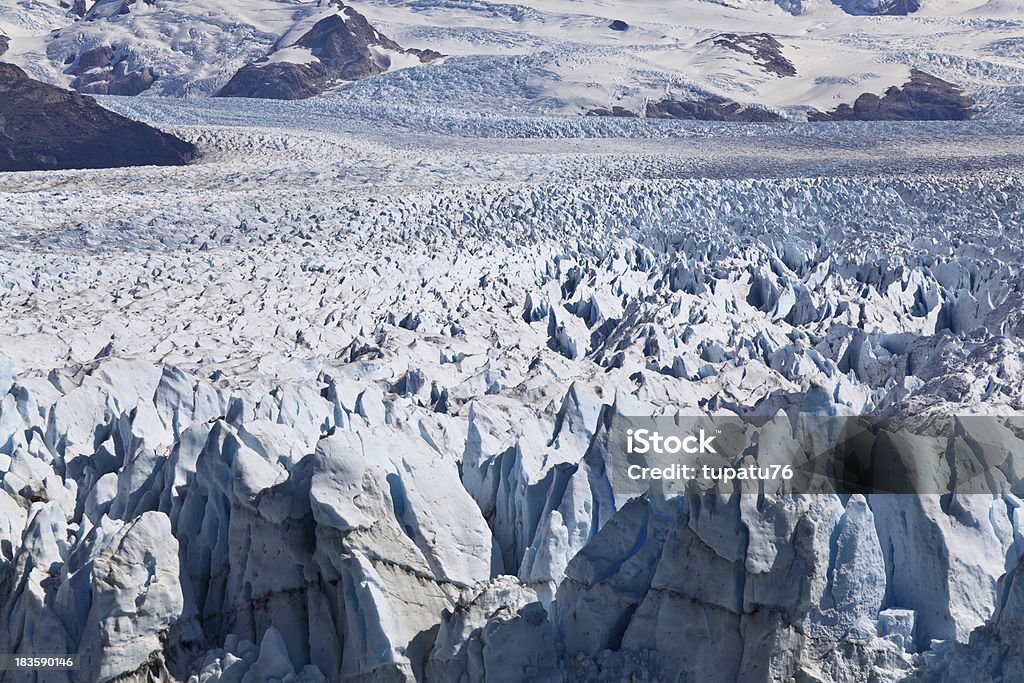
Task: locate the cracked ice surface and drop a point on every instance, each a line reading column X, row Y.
column 327, row 406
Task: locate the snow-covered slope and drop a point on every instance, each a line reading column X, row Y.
column 338, row 47
column 332, row 404
column 573, row 57
column 575, row 61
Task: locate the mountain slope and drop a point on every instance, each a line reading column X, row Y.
column 922, row 98
column 340, row 47
column 167, row 47
column 544, row 56
column 44, row 127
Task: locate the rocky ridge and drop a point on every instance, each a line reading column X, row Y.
column 879, row 7
column 99, row 71
column 510, row 57
column 45, row 127
column 340, row 47
column 763, row 48
column 923, row 98
column 710, row 109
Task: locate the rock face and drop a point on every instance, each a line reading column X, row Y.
column 860, row 7
column 707, row 109
column 104, row 9
column 923, row 98
column 879, row 7
column 340, row 47
column 764, row 49
column 44, row 127
column 617, row 111
column 98, row 72
column 710, row 109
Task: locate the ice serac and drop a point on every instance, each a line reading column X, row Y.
column 784, row 588
column 395, row 554
column 993, row 651
column 344, row 432
column 352, row 552
column 45, row 127
column 135, row 598
column 497, row 631
column 951, row 602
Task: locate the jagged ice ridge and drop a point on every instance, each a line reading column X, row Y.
column 311, row 426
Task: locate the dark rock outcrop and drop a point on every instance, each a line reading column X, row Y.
column 5, row 42
column 104, row 9
column 765, row 50
column 44, row 127
column 617, row 111
column 710, row 109
column 618, row 25
column 923, row 98
column 425, row 55
column 879, row 7
column 96, row 58
column 280, row 81
column 115, row 81
column 100, row 71
column 342, row 46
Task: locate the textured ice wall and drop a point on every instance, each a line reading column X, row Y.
column 350, row 436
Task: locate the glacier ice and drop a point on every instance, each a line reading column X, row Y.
column 345, row 417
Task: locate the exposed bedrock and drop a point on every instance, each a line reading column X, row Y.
column 764, row 49
column 879, row 7
column 707, row 109
column 43, row 127
column 710, row 109
column 340, row 47
column 923, row 98
column 102, row 71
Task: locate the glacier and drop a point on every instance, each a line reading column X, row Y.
column 331, row 404
column 538, row 56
